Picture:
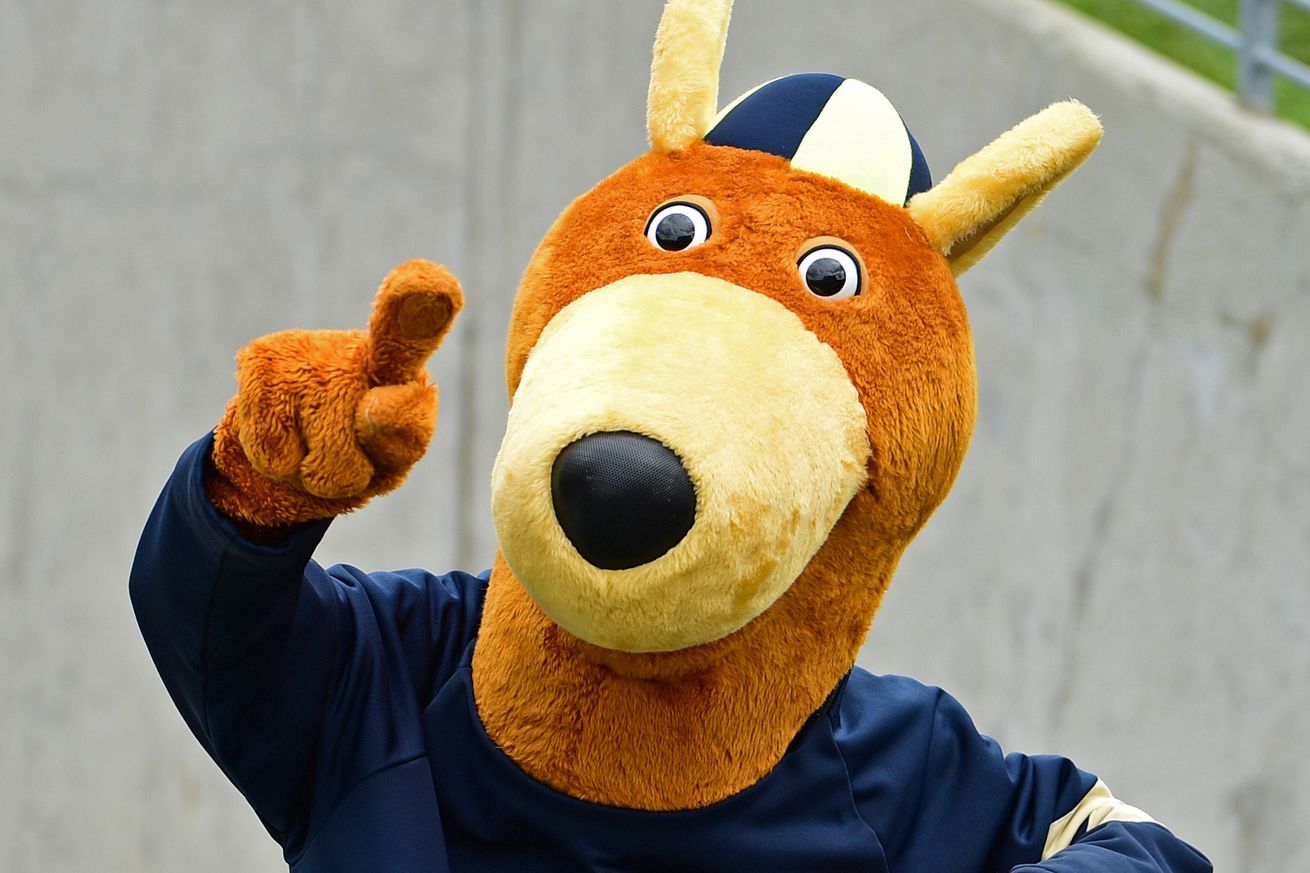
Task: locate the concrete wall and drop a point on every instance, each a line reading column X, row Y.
column 1122, row 574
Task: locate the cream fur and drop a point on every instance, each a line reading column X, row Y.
column 987, row 194
column 761, row 412
column 684, row 73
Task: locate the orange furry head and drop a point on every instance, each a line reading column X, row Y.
column 742, row 379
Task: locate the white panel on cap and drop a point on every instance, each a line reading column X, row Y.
column 859, row 139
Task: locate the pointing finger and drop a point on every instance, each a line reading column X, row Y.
column 411, row 316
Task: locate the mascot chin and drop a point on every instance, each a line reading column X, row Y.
column 742, row 379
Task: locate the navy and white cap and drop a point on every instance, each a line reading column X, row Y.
column 835, row 127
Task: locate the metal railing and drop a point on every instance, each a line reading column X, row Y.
column 1259, row 60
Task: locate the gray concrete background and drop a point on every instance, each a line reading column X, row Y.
column 1122, row 574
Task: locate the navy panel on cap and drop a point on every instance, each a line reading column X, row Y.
column 777, row 116
column 920, row 175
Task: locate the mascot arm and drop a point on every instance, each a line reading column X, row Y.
column 300, row 681
column 976, row 808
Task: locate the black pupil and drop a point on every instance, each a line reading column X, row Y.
column 675, row 232
column 826, row 276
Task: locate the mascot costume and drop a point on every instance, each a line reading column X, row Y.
column 742, row 379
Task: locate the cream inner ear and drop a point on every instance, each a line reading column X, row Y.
column 759, row 410
column 960, row 249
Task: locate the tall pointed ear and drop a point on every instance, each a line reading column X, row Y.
column 987, row 194
column 684, row 74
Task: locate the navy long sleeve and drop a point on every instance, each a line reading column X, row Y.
column 948, row 799
column 301, row 682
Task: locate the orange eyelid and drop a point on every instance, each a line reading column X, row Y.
column 705, row 204
column 836, row 242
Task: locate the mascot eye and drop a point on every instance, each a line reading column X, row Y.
column 678, row 226
column 830, row 272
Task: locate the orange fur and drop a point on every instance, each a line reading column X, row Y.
column 683, row 729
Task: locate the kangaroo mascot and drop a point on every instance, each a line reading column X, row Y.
column 742, row 379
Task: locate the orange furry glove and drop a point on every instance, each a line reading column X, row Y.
column 324, row 420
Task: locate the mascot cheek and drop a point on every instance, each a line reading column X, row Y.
column 678, row 449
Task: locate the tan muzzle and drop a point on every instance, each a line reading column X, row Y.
column 677, row 450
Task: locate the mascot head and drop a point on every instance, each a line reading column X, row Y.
column 742, row 378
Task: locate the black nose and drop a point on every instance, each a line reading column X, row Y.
column 623, row 499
